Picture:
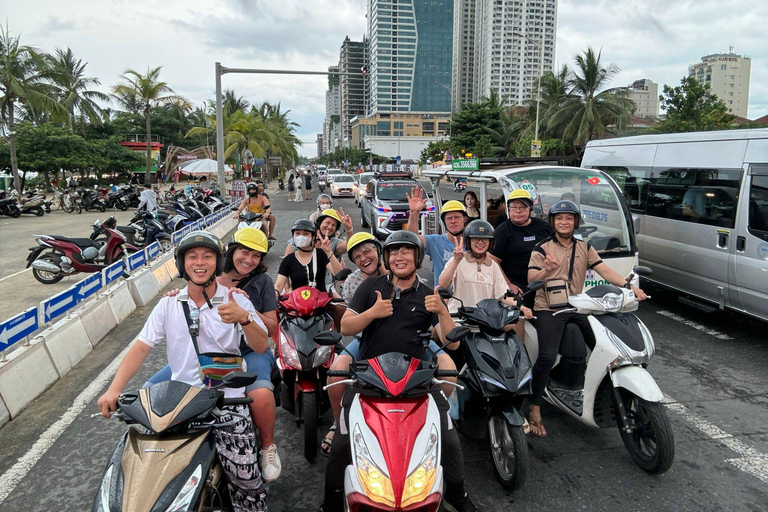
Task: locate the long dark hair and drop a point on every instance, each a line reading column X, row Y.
column 229, row 260
column 474, row 196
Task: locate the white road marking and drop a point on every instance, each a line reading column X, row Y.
column 10, row 479
column 15, row 274
column 750, row 460
column 698, row 327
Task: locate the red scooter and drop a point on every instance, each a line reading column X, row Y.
column 68, row 256
column 302, row 363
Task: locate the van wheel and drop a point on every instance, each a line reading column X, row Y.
column 363, row 221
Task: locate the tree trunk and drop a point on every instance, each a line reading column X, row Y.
column 14, row 160
column 147, row 178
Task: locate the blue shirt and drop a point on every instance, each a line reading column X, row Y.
column 440, row 251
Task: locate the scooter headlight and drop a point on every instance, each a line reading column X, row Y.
column 106, row 485
column 290, row 356
column 184, row 498
column 611, row 302
column 421, row 480
column 321, row 355
column 375, row 482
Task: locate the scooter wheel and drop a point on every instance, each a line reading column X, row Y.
column 47, row 277
column 509, row 452
column 16, row 213
column 309, row 413
column 39, row 212
column 650, row 441
column 78, row 209
column 102, row 208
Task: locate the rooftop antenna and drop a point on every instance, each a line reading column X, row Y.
column 730, row 49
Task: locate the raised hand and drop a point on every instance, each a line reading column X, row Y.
column 382, row 308
column 231, row 312
column 325, row 243
column 416, row 200
column 458, row 253
column 346, row 220
column 551, row 263
column 434, row 303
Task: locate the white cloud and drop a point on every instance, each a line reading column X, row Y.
column 654, row 39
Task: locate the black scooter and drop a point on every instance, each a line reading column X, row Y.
column 496, row 376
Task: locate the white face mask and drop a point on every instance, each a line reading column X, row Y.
column 301, row 241
column 324, row 206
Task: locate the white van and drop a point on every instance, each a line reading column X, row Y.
column 700, row 206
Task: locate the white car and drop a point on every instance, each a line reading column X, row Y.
column 332, row 173
column 361, row 180
column 343, row 186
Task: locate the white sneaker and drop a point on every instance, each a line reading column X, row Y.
column 270, row 463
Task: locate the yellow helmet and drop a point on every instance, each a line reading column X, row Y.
column 361, row 238
column 252, row 238
column 452, row 206
column 520, row 195
column 330, row 212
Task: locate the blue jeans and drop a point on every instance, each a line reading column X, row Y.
column 354, row 348
column 261, row 364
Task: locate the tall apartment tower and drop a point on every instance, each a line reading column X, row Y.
column 645, row 94
column 727, row 75
column 353, row 60
column 332, row 124
column 410, row 51
column 504, row 40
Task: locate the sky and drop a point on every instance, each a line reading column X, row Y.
column 655, row 39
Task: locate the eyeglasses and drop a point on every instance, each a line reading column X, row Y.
column 361, row 254
column 518, row 208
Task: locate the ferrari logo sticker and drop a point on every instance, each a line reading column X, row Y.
column 305, row 294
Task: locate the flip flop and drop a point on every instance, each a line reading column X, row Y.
column 537, row 427
column 325, row 445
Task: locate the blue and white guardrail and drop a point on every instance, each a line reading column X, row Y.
column 21, row 326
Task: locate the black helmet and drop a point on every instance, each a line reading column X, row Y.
column 305, row 224
column 199, row 239
column 479, row 229
column 565, row 207
column 403, row 237
column 253, row 189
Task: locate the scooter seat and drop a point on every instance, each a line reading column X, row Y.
column 4, row 202
column 80, row 242
column 127, row 230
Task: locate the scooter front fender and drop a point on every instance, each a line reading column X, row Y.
column 306, row 385
column 512, row 416
column 638, row 381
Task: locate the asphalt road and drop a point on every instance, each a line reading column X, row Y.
column 712, row 367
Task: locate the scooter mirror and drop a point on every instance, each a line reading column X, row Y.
column 458, row 333
column 642, row 271
column 239, row 379
column 342, row 275
column 327, row 338
column 535, row 285
column 445, row 293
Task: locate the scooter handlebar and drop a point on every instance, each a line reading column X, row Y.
column 446, row 373
column 245, row 400
column 338, row 373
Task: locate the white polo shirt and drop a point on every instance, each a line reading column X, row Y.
column 167, row 322
column 474, row 281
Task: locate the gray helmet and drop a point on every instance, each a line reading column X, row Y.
column 565, row 207
column 199, row 239
column 403, row 237
column 324, row 196
column 305, row 224
column 479, row 229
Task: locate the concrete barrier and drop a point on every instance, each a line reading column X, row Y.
column 5, row 416
column 170, row 267
column 161, row 273
column 121, row 301
column 67, row 343
column 28, row 372
column 143, row 286
column 98, row 319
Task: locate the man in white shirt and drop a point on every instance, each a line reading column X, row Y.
column 223, row 318
column 148, row 199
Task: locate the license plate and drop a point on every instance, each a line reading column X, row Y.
column 345, row 191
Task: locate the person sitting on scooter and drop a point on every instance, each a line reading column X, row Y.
column 148, row 199
column 224, row 317
column 324, row 202
column 256, row 202
column 329, row 223
column 306, row 266
column 561, row 260
column 244, row 269
column 390, row 311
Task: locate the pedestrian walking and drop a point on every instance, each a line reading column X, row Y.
column 291, row 189
column 297, row 186
column 308, row 186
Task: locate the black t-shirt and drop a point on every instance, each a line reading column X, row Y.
column 396, row 333
column 308, row 182
column 261, row 293
column 514, row 245
column 300, row 275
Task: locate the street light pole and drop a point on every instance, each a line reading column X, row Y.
column 540, row 47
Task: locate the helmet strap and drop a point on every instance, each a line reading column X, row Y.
column 205, row 295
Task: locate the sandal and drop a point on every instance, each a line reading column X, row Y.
column 325, row 445
column 537, row 428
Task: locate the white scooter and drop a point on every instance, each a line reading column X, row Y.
column 253, row 220
column 616, row 388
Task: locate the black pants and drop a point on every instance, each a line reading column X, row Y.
column 452, row 458
column 550, row 330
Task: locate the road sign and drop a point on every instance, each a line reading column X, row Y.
column 88, row 286
column 465, row 164
column 136, row 260
column 398, row 160
column 535, row 148
column 176, row 236
column 152, row 250
column 59, row 304
column 16, row 328
column 112, row 272
column 259, row 161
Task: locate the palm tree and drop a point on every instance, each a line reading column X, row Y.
column 22, row 82
column 143, row 92
column 73, row 88
column 588, row 107
column 231, row 103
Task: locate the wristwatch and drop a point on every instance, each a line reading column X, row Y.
column 250, row 319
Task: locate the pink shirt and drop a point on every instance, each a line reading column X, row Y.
column 474, row 281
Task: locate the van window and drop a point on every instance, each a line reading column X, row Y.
column 632, row 182
column 758, row 207
column 702, row 196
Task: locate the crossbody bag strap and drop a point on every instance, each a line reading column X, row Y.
column 573, row 258
column 314, row 267
column 185, row 305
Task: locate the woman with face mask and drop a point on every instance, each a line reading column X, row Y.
column 328, row 223
column 307, row 265
column 324, row 202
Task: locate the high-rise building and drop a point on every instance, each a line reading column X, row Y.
column 727, row 75
column 409, row 53
column 645, row 94
column 353, row 63
column 320, row 145
column 332, row 124
column 505, row 40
